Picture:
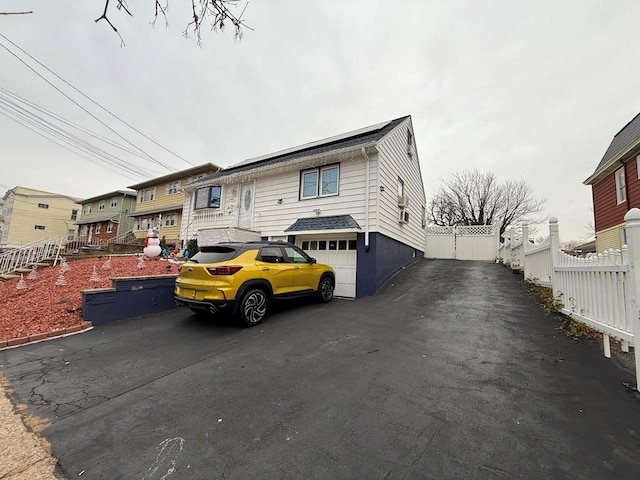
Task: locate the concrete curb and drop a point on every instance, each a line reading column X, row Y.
column 42, row 337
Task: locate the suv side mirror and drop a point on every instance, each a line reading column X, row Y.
column 312, row 260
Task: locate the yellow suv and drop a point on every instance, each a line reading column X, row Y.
column 245, row 277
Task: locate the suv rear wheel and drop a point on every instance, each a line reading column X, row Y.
column 253, row 307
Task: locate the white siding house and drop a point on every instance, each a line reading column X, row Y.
column 355, row 201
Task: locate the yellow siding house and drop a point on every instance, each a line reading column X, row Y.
column 33, row 215
column 160, row 201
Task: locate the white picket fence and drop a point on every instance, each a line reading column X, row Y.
column 601, row 290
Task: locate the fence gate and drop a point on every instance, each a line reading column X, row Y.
column 475, row 242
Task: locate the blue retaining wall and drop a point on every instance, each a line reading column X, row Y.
column 129, row 297
column 383, row 258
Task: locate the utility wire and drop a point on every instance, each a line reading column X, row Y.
column 73, row 140
column 92, row 160
column 81, row 107
column 96, row 103
column 64, row 121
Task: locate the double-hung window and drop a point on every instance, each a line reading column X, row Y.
column 170, row 220
column 621, row 187
column 172, row 188
column 320, row 182
column 114, row 202
column 101, row 205
column 147, row 195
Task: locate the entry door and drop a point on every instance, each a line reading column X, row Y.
column 245, row 203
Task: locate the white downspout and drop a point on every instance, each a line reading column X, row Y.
column 366, row 199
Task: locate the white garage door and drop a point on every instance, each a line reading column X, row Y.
column 338, row 252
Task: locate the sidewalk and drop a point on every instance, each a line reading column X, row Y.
column 25, row 456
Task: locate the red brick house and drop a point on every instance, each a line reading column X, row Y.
column 615, row 186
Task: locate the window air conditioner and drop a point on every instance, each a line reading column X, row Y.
column 404, row 216
column 403, row 201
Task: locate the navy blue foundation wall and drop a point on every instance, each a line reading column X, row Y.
column 383, row 258
column 129, row 297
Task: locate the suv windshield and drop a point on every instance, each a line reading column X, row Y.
column 214, row 254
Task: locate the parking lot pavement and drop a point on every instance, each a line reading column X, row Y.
column 450, row 371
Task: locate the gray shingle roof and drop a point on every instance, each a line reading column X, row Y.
column 359, row 137
column 336, row 222
column 625, row 137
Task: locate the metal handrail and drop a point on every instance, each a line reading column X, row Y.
column 28, row 255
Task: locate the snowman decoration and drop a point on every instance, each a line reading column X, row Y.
column 152, row 243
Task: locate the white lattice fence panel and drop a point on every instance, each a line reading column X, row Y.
column 476, row 242
column 440, row 242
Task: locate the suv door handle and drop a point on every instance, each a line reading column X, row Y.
column 265, row 269
column 296, row 268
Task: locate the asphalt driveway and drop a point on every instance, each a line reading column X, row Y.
column 451, row 371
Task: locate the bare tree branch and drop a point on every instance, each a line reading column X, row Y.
column 217, row 13
column 106, row 19
column 471, row 197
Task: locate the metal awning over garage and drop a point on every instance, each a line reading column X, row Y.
column 333, row 224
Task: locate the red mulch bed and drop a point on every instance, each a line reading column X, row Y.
column 43, row 306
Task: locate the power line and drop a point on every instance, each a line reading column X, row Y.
column 80, row 106
column 96, row 103
column 118, row 171
column 66, row 122
column 22, row 116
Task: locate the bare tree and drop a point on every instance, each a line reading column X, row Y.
column 471, row 197
column 214, row 13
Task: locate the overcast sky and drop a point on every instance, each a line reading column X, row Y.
column 527, row 90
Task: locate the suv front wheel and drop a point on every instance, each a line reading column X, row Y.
column 325, row 289
column 253, row 307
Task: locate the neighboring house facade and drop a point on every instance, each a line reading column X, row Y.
column 106, row 217
column 32, row 215
column 354, row 201
column 615, row 186
column 1, row 217
column 159, row 202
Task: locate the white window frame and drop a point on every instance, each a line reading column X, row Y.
column 71, row 234
column 101, row 205
column 621, row 186
column 318, row 187
column 97, row 228
column 147, row 195
column 110, row 227
column 143, row 224
column 74, row 214
column 400, row 187
column 114, row 202
column 172, row 187
column 170, row 220
column 87, row 209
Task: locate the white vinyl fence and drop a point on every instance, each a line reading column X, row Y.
column 475, row 242
column 601, row 290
